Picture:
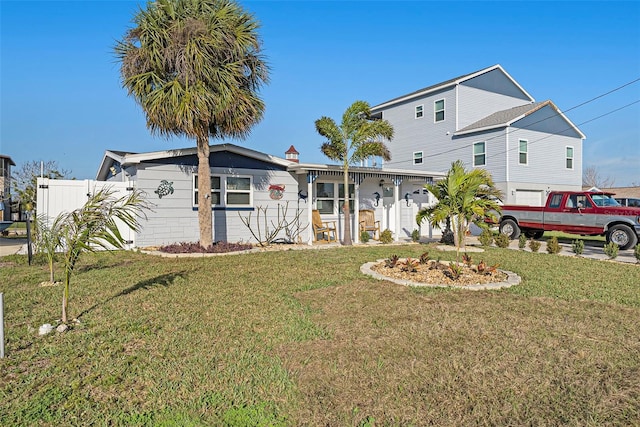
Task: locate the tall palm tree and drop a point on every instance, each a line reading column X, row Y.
column 357, row 138
column 465, row 197
column 195, row 68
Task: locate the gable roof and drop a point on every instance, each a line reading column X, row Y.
column 507, row 117
column 127, row 159
column 449, row 83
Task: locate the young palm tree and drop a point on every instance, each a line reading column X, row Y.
column 195, row 67
column 94, row 226
column 356, row 139
column 465, row 197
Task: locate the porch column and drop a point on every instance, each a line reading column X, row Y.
column 356, row 211
column 396, row 207
column 311, row 177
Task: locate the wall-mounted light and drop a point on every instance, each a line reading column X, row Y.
column 303, row 195
column 377, row 198
column 381, row 182
column 406, row 198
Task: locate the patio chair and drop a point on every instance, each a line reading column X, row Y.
column 368, row 222
column 324, row 228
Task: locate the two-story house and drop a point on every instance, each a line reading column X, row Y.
column 489, row 121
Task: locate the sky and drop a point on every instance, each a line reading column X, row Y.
column 62, row 99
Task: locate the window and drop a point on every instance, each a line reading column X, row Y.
column 555, row 201
column 569, row 158
column 227, row 191
column 324, row 197
column 479, row 155
column 419, row 111
column 522, row 152
column 438, row 110
column 417, row 158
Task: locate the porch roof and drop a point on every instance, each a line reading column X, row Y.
column 359, row 173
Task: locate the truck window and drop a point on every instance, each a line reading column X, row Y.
column 604, row 200
column 571, row 202
column 583, row 202
column 555, row 201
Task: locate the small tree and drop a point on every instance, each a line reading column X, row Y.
column 94, row 226
column 465, row 197
column 47, row 239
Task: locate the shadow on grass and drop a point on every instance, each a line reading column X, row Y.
column 163, row 280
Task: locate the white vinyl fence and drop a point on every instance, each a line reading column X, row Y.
column 55, row 196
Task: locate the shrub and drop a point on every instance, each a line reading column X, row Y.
column 386, row 236
column 502, row 240
column 577, row 247
column 447, row 237
column 636, row 252
column 553, row 247
column 466, row 259
column 424, row 258
column 522, row 241
column 391, row 261
column 486, row 237
column 611, row 250
column 415, row 235
column 364, row 236
column 409, row 265
column 455, row 271
column 534, row 245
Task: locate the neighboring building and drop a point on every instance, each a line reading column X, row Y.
column 245, row 184
column 489, row 121
column 626, row 196
column 5, row 187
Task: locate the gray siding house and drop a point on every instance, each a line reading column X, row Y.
column 489, row 121
column 246, row 182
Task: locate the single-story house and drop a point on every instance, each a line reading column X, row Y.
column 254, row 186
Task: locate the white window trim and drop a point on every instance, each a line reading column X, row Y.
column 415, row 115
column 566, row 157
column 223, row 191
column 525, row 152
column 421, row 158
column 473, row 153
column 436, row 111
column 337, row 200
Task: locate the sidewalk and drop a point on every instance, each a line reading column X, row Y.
column 12, row 246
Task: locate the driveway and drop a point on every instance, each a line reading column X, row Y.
column 12, row 246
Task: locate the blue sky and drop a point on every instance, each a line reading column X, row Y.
column 61, row 97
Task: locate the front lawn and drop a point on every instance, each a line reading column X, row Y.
column 303, row 338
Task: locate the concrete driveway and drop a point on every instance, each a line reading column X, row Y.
column 12, row 246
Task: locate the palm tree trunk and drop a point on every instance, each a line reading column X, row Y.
column 204, row 192
column 347, row 215
column 65, row 297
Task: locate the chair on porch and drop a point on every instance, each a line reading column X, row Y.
column 368, row 222
column 323, row 228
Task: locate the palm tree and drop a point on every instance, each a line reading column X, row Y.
column 465, row 197
column 94, row 226
column 356, row 139
column 195, row 67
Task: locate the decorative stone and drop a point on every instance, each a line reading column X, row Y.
column 62, row 328
column 45, row 329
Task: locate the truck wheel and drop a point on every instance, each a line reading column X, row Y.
column 535, row 234
column 510, row 228
column 623, row 236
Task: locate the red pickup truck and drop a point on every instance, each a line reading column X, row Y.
column 577, row 212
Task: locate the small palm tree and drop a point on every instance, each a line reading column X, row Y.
column 47, row 239
column 465, row 197
column 194, row 66
column 94, row 226
column 356, row 139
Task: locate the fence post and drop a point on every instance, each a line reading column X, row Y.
column 1, row 325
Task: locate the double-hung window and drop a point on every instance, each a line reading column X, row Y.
column 352, row 195
column 438, row 110
column 325, row 197
column 479, row 154
column 569, row 158
column 417, row 158
column 227, row 191
column 523, row 151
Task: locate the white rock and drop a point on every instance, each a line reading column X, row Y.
column 62, row 327
column 45, row 329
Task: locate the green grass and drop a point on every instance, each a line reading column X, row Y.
column 303, row 338
column 568, row 238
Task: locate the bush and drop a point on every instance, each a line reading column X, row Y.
column 415, row 235
column 636, row 252
column 447, row 237
column 502, row 240
column 522, row 241
column 486, row 237
column 577, row 246
column 386, row 236
column 364, row 236
column 611, row 250
column 534, row 245
column 553, row 247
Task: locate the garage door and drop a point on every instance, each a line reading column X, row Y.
column 529, row 197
